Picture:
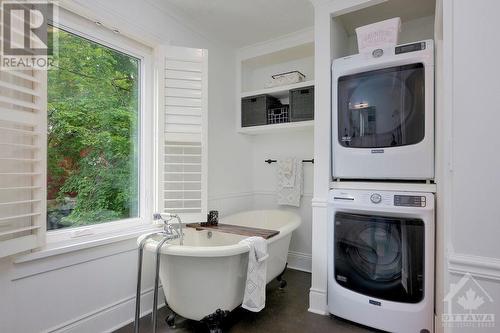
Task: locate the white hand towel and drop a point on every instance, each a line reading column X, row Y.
column 290, row 181
column 286, row 171
column 255, row 289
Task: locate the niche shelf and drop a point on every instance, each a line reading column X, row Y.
column 280, row 92
column 277, row 128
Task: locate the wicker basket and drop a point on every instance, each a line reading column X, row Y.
column 254, row 109
column 278, row 115
column 302, row 104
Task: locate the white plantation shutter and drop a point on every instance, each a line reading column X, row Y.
column 23, row 127
column 182, row 141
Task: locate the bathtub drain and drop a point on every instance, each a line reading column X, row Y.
column 209, row 234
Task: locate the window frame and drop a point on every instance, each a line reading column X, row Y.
column 87, row 29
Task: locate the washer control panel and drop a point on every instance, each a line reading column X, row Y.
column 380, row 200
column 409, row 200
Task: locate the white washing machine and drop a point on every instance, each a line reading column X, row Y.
column 381, row 259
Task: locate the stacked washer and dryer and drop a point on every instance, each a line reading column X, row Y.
column 381, row 242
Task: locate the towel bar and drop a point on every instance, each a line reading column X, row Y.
column 269, row 161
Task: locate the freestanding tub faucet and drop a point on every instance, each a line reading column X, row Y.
column 168, row 227
column 169, row 233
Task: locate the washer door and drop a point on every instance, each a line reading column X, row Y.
column 378, row 256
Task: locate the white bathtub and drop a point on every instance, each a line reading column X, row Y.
column 206, row 274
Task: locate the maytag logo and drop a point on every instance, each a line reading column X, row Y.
column 377, row 151
column 341, row 278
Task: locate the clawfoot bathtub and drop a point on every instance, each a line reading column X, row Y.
column 209, row 271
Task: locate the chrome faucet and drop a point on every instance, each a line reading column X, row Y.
column 168, row 228
column 169, row 233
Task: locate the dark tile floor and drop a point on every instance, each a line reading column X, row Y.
column 286, row 311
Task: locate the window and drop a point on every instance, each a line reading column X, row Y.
column 93, row 137
column 88, row 125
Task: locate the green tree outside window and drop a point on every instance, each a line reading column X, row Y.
column 93, row 116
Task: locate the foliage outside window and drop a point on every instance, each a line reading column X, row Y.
column 93, row 115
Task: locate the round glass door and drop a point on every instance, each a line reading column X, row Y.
column 382, row 108
column 379, row 256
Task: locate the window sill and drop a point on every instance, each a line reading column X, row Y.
column 82, row 243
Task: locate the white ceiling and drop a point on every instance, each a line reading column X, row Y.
column 242, row 22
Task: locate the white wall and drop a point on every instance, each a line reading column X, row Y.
column 262, row 192
column 262, row 176
column 471, row 177
column 228, row 151
column 475, row 216
column 92, row 290
column 280, row 145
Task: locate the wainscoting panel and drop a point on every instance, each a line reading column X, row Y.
column 121, row 313
column 484, row 267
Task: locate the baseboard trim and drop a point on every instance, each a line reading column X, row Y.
column 318, row 302
column 478, row 266
column 319, row 202
column 300, row 261
column 123, row 308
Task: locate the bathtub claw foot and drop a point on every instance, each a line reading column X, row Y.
column 170, row 320
column 280, row 279
column 215, row 320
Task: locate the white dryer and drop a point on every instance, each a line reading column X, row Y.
column 381, row 259
column 383, row 113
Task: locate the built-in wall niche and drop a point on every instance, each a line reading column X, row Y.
column 256, row 68
column 417, row 23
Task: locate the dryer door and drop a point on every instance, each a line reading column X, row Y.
column 382, row 108
column 381, row 257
